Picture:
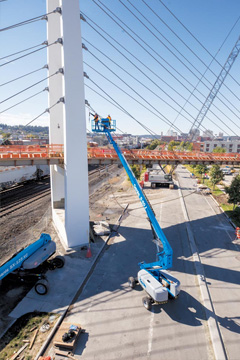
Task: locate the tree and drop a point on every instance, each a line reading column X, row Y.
column 219, row 149
column 172, row 145
column 233, row 191
column 153, row 145
column 216, row 175
column 202, row 169
column 136, row 171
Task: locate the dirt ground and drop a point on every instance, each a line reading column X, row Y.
column 23, row 227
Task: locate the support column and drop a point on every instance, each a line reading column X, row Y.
column 67, row 122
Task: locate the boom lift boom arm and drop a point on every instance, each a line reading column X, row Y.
column 164, row 257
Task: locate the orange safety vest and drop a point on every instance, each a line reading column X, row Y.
column 237, row 232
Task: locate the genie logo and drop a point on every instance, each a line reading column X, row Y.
column 142, row 282
column 140, row 197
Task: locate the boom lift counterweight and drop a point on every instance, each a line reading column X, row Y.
column 153, row 277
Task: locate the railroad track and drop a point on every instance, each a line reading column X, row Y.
column 22, row 195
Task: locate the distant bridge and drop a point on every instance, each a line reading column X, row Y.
column 17, row 155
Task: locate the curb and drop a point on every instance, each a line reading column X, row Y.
column 215, row 333
column 233, row 225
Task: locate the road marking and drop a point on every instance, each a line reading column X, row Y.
column 150, row 334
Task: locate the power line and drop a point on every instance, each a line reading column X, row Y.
column 119, row 106
column 141, row 82
column 23, row 100
column 195, row 36
column 164, row 120
column 32, row 52
column 207, row 66
column 20, row 77
column 152, row 57
column 29, row 87
column 146, row 43
column 26, row 22
column 136, row 59
column 47, row 110
column 18, row 52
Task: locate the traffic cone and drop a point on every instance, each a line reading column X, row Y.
column 89, row 253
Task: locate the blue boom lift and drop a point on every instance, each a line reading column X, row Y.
column 153, row 277
column 31, row 262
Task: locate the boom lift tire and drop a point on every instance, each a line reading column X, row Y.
column 147, row 302
column 131, row 282
column 41, row 287
column 58, row 262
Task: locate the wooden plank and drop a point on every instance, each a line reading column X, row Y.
column 19, row 352
column 33, row 339
column 57, row 341
column 64, row 353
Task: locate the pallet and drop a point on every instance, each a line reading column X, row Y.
column 70, row 344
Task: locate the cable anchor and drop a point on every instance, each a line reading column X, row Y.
column 85, row 75
column 82, row 17
column 59, row 40
column 62, row 100
column 61, row 71
column 84, row 47
column 58, row 10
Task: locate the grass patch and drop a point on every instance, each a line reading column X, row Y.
column 21, row 331
column 219, row 196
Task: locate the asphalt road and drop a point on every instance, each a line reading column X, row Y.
column 119, row 327
column 219, row 254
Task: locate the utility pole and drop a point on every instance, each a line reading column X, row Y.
column 69, row 184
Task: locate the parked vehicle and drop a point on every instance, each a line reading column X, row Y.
column 157, row 177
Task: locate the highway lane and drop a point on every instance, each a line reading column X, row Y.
column 116, row 323
column 219, row 253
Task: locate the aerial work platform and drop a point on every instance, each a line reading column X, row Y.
column 103, row 124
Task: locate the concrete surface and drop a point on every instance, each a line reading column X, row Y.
column 116, row 323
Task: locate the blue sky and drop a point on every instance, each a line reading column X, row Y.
column 163, row 79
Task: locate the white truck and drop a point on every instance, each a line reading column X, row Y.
column 157, row 177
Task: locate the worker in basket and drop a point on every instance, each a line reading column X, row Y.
column 96, row 120
column 109, row 119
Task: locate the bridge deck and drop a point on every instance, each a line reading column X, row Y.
column 54, row 154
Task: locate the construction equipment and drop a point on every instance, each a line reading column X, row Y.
column 159, row 285
column 156, row 177
column 32, row 261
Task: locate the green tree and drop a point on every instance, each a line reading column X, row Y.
column 202, row 169
column 136, row 171
column 216, row 175
column 219, row 149
column 153, row 145
column 172, row 145
column 6, row 135
column 233, row 191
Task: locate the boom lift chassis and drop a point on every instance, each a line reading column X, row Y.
column 158, row 284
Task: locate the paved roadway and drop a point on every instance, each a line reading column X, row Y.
column 219, row 253
column 119, row 327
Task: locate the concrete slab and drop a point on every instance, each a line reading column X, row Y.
column 63, row 283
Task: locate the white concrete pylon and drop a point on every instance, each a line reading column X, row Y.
column 67, row 122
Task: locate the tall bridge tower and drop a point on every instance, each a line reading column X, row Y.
column 69, row 184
